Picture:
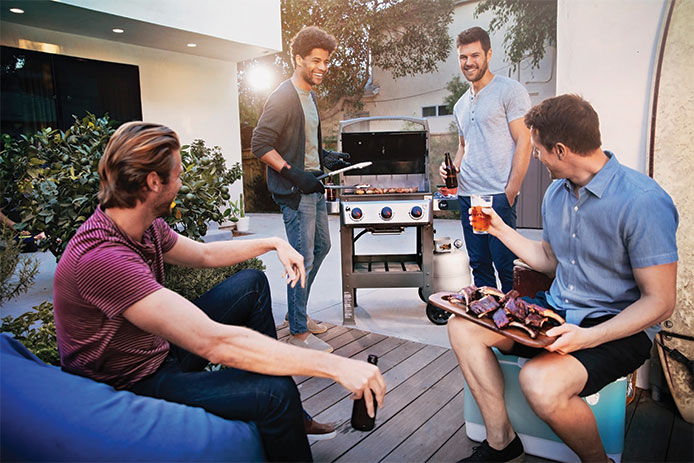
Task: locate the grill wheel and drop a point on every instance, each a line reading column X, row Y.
column 437, row 316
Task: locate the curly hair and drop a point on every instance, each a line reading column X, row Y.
column 472, row 35
column 567, row 119
column 134, row 150
column 310, row 38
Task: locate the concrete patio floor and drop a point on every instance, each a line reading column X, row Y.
column 388, row 311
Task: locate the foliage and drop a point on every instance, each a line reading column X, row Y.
column 456, row 88
column 53, row 177
column 530, row 24
column 205, row 191
column 193, row 283
column 10, row 259
column 405, row 37
column 36, row 330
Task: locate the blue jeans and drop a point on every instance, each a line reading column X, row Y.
column 308, row 233
column 485, row 251
column 272, row 402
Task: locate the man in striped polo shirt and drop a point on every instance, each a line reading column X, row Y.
column 116, row 323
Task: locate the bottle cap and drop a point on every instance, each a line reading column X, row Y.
column 373, row 359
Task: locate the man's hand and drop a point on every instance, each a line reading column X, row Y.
column 496, row 225
column 293, row 262
column 359, row 377
column 442, row 170
column 307, row 183
column 571, row 338
column 511, row 194
column 334, row 160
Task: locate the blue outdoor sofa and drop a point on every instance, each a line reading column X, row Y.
column 47, row 414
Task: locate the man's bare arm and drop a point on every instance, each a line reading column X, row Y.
column 521, row 158
column 658, row 286
column 174, row 318
column 537, row 254
column 222, row 253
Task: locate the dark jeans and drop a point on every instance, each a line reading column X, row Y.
column 485, row 250
column 272, row 402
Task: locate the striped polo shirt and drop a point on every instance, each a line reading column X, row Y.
column 101, row 274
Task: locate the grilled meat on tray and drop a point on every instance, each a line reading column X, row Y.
column 505, row 310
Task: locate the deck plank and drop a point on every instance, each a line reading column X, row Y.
column 383, row 440
column 649, row 432
column 314, row 385
column 422, row 419
column 681, row 445
column 403, row 358
column 432, row 434
column 456, row 447
column 397, row 398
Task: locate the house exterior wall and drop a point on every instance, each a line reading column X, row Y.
column 606, row 52
column 260, row 23
column 195, row 96
column 407, row 95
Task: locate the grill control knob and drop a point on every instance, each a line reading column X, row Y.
column 386, row 213
column 356, row 214
column 416, row 212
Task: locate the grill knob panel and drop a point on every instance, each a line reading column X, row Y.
column 386, row 213
column 416, row 212
column 356, row 214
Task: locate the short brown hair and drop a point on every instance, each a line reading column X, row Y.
column 134, row 150
column 309, row 38
column 472, row 35
column 568, row 119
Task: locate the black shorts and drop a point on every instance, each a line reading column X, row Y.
column 604, row 363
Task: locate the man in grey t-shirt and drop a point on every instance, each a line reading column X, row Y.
column 493, row 153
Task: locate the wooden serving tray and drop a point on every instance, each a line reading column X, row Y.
column 518, row 335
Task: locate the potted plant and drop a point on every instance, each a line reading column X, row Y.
column 243, row 223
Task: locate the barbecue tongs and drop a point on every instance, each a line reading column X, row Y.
column 361, row 165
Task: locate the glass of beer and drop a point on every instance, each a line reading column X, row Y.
column 480, row 220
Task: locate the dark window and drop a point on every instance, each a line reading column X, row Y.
column 44, row 90
column 429, row 111
column 443, row 110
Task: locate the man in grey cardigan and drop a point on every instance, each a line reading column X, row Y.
column 288, row 139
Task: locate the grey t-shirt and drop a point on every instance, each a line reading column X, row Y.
column 311, row 121
column 482, row 121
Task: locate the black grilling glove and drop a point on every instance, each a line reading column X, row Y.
column 307, row 183
column 334, row 160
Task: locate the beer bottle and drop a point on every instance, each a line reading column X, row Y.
column 361, row 420
column 451, row 174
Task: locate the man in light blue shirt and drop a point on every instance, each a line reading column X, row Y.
column 609, row 241
column 493, row 152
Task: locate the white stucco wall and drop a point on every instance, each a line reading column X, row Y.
column 606, row 52
column 195, row 96
column 218, row 18
column 407, row 95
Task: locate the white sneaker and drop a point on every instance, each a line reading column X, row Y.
column 311, row 342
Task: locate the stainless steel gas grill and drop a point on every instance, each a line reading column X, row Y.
column 389, row 196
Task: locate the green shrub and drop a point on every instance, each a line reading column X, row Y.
column 11, row 258
column 36, row 330
column 53, row 177
column 205, row 194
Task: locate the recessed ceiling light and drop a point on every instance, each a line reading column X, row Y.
column 118, row 31
column 192, row 45
column 17, row 10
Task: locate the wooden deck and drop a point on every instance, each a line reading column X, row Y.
column 422, row 419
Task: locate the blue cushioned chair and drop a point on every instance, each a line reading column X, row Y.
column 47, row 414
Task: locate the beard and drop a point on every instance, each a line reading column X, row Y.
column 162, row 207
column 480, row 72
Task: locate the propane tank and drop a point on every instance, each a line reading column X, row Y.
column 451, row 269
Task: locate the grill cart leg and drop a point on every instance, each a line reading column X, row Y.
column 349, row 293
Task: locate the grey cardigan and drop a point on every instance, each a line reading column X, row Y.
column 281, row 127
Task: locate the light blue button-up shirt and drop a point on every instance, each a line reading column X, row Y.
column 620, row 220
